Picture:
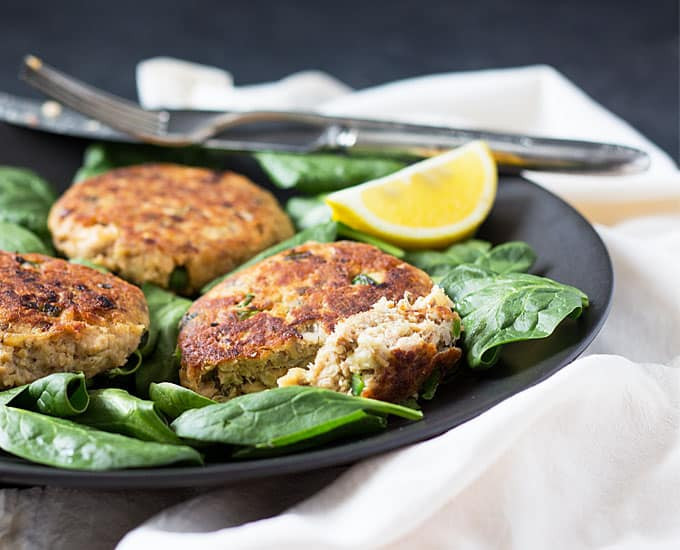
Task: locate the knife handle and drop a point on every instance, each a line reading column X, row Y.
column 513, row 152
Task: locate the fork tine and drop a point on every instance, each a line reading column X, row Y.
column 36, row 66
column 94, row 109
column 114, row 111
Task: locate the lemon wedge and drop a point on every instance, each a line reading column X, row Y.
column 432, row 203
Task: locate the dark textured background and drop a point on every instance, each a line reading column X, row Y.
column 623, row 53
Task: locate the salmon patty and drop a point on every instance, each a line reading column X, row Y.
column 174, row 226
column 259, row 324
column 57, row 317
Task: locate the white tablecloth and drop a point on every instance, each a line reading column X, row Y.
column 587, row 459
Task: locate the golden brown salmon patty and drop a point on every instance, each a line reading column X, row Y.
column 145, row 221
column 56, row 317
column 256, row 325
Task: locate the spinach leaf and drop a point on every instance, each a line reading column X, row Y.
column 323, row 172
column 356, row 235
column 102, row 157
column 467, row 251
column 173, row 400
column 430, row 386
column 66, row 444
column 308, row 211
column 362, row 424
column 7, row 396
column 498, row 309
column 160, row 362
column 130, row 367
column 437, row 262
column 25, row 200
column 58, row 394
column 115, row 410
column 15, row 238
column 510, row 257
column 179, row 279
column 281, row 416
column 324, row 233
column 88, row 263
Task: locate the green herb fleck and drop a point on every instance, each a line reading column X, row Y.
column 363, row 279
column 430, row 385
column 357, row 384
column 247, row 299
column 244, row 314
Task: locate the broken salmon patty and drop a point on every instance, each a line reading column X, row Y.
column 261, row 322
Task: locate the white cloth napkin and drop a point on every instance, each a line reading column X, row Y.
column 587, row 459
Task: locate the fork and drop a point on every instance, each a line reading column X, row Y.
column 184, row 128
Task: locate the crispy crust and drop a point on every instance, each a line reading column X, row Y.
column 60, row 316
column 296, row 295
column 143, row 221
column 407, row 372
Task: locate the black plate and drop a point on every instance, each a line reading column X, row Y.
column 568, row 249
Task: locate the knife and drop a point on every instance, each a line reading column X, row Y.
column 512, row 152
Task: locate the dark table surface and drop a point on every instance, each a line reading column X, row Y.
column 623, row 53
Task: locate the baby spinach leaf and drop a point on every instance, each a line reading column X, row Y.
column 130, row 367
column 58, row 394
column 308, row 211
column 102, row 157
column 115, row 410
column 88, row 263
column 66, row 444
column 498, row 309
column 324, row 233
column 14, row 238
column 25, row 200
column 510, row 257
column 281, row 416
column 7, row 396
column 173, row 400
column 356, row 235
column 467, row 251
column 179, row 279
column 437, row 262
column 362, row 424
column 430, row 386
column 160, row 362
column 323, row 172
